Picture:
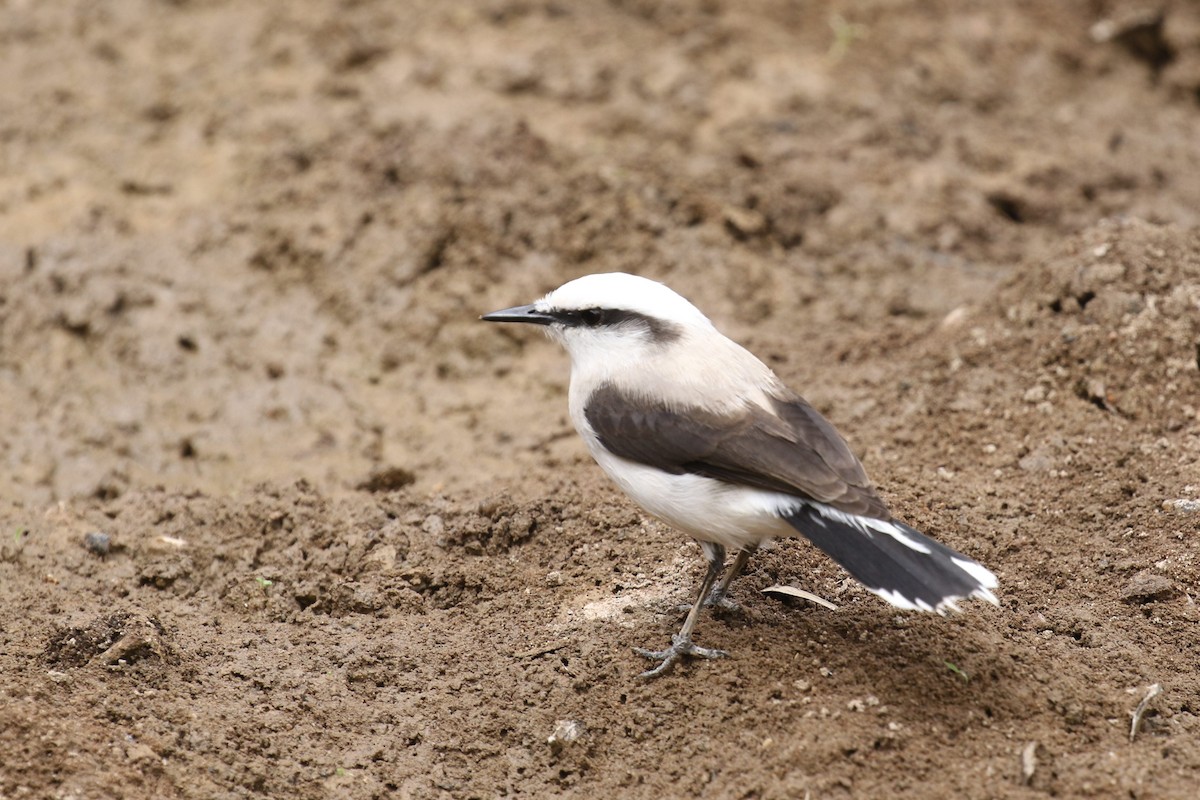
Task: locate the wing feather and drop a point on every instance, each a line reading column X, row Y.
column 794, row 451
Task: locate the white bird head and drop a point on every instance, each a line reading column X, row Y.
column 638, row 334
column 610, row 315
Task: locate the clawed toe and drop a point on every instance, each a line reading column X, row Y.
column 709, row 594
column 680, row 646
column 722, row 601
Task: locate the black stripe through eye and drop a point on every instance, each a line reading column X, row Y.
column 660, row 331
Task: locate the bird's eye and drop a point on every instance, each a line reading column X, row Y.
column 591, row 317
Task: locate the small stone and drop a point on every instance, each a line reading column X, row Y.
column 1028, row 762
column 566, row 731
column 1036, row 461
column 1035, row 394
column 97, row 543
column 1146, row 587
column 1182, row 505
column 744, row 222
column 955, row 317
column 140, row 640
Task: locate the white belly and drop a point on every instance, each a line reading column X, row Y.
column 704, row 508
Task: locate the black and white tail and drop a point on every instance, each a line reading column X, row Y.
column 896, row 562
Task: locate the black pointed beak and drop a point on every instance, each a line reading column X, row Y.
column 520, row 314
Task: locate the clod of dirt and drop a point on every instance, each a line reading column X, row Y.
column 498, row 524
column 164, row 571
column 118, row 639
column 1095, row 392
column 355, row 598
column 387, row 479
column 1141, row 35
column 1113, row 317
column 1146, row 587
column 10, row 550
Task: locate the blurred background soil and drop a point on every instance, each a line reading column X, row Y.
column 279, row 517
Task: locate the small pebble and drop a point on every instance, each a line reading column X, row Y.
column 97, row 543
column 1035, row 394
column 565, row 732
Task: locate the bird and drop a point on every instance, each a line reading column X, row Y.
column 704, row 436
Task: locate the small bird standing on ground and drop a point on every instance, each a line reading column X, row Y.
column 704, row 436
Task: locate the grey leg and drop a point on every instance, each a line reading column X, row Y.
column 681, row 643
column 719, row 595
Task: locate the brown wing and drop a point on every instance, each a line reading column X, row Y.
column 795, row 451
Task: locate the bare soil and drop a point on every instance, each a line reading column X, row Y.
column 279, row 517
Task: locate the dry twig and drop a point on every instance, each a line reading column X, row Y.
column 791, row 591
column 1154, row 691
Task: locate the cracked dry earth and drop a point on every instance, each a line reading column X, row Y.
column 279, row 517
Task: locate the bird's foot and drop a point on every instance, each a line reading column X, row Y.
column 719, row 599
column 680, row 646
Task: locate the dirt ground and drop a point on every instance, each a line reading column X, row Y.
column 279, row 517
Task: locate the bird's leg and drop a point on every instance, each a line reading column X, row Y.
column 719, row 596
column 681, row 643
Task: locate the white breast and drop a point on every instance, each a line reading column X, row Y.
column 705, row 370
column 705, row 509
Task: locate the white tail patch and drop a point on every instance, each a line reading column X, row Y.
column 946, row 604
column 984, row 594
column 983, row 575
column 937, row 586
column 900, row 601
column 868, row 525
